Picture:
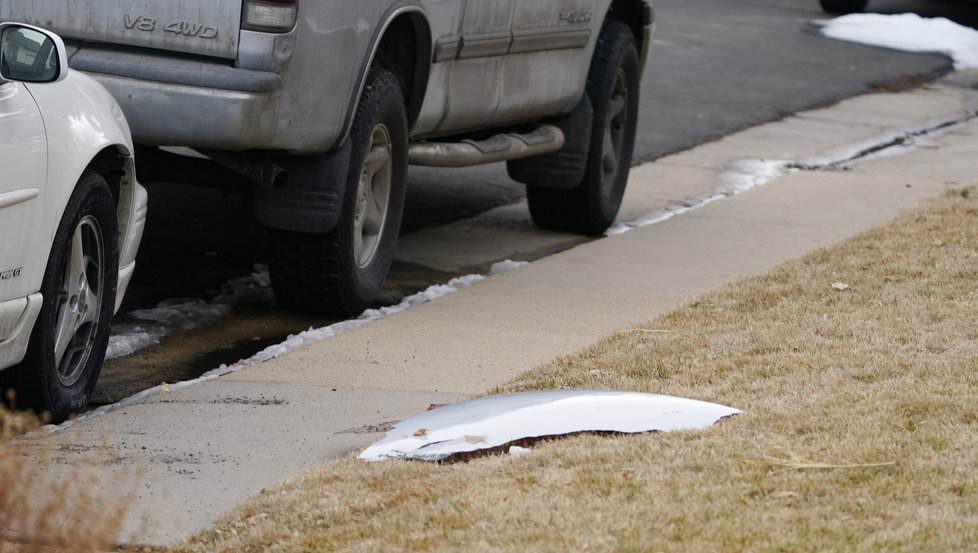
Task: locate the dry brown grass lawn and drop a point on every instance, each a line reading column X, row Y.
column 48, row 506
column 859, row 431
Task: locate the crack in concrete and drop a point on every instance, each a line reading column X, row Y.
column 903, row 140
column 743, row 174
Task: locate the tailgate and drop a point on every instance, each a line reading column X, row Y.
column 202, row 27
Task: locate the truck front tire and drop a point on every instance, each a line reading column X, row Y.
column 341, row 272
column 613, row 88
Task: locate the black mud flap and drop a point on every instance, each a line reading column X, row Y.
column 563, row 169
column 311, row 200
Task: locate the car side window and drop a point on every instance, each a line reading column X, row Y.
column 28, row 56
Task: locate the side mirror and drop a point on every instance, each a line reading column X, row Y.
column 30, row 54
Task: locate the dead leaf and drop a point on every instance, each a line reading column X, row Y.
column 475, row 439
column 421, row 433
column 164, row 388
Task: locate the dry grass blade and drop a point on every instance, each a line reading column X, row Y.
column 793, row 461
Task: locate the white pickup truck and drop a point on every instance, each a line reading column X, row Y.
column 322, row 104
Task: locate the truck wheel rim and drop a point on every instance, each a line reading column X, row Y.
column 615, row 119
column 80, row 301
column 373, row 197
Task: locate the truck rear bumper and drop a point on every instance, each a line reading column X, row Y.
column 207, row 104
column 195, row 116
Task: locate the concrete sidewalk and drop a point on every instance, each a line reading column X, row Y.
column 194, row 454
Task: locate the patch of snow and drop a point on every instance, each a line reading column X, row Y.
column 251, row 289
column 254, row 289
column 492, row 422
column 658, row 216
column 151, row 325
column 517, row 451
column 313, row 335
column 146, row 327
column 910, row 33
column 504, row 266
column 744, row 174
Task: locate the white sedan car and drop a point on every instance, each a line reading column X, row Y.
column 71, row 218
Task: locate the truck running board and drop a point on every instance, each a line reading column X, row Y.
column 502, row 147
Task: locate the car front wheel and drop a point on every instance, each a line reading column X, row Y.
column 67, row 347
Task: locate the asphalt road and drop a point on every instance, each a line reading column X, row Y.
column 716, row 66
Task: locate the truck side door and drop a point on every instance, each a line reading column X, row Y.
column 474, row 82
column 548, row 61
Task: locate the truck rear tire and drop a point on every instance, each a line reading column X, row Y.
column 613, row 88
column 341, row 272
column 843, row 7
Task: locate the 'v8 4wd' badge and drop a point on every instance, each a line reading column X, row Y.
column 186, row 28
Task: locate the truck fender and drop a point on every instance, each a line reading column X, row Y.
column 416, row 89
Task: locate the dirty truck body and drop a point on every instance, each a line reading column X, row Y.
column 321, row 104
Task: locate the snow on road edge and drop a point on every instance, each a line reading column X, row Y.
column 908, row 32
column 296, row 341
column 741, row 175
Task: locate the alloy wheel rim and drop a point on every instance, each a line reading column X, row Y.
column 615, row 122
column 80, row 301
column 373, row 197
